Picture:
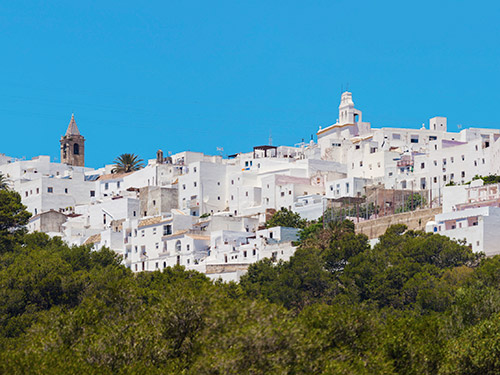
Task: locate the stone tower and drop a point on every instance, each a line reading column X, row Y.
column 73, row 145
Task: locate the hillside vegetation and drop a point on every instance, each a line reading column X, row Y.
column 416, row 303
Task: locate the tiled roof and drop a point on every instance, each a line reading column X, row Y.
column 93, row 239
column 198, row 237
column 113, row 176
column 152, row 221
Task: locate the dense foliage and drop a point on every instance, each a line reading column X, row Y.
column 286, row 218
column 415, row 303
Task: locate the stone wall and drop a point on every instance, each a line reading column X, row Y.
column 224, row 268
column 415, row 220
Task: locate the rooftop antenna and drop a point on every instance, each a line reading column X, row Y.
column 220, row 150
column 270, row 138
column 459, row 126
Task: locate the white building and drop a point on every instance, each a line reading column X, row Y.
column 471, row 213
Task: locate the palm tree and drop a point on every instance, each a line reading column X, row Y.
column 127, row 163
column 4, row 182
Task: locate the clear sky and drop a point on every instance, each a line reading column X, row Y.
column 196, row 75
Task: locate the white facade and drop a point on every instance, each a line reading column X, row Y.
column 471, row 213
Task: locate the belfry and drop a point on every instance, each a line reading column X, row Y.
column 73, row 145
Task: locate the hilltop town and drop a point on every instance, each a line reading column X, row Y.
column 208, row 213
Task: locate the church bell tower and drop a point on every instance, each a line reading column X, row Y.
column 73, row 145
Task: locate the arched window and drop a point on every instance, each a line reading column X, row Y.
column 178, row 245
column 76, row 149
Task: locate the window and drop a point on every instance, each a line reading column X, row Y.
column 50, row 190
column 396, row 136
column 187, row 247
column 134, row 213
column 218, row 198
column 194, row 183
column 135, row 249
column 452, row 159
column 246, row 193
column 232, row 183
column 282, row 193
column 435, row 163
column 38, row 190
column 358, row 147
column 194, row 169
column 289, row 192
column 414, row 139
column 167, row 230
column 157, row 245
column 142, row 233
column 347, row 187
column 178, row 245
column 463, row 157
column 26, row 193
column 66, row 190
column 143, row 250
column 432, row 137
column 183, row 186
column 92, row 193
column 154, row 230
column 463, row 173
column 435, row 180
column 422, row 165
column 106, row 186
column 76, row 149
column 154, row 202
column 232, row 197
column 361, row 163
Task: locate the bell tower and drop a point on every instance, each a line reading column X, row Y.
column 73, row 145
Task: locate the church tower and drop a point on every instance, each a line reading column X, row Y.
column 73, row 146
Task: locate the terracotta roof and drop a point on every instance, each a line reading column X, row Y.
column 321, row 131
column 93, row 239
column 113, row 176
column 72, row 128
column 178, row 233
column 152, row 221
column 198, row 237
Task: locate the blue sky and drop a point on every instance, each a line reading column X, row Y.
column 192, row 75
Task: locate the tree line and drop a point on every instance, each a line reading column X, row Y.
column 415, row 303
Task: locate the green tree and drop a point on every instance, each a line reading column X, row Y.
column 286, row 218
column 13, row 218
column 127, row 163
